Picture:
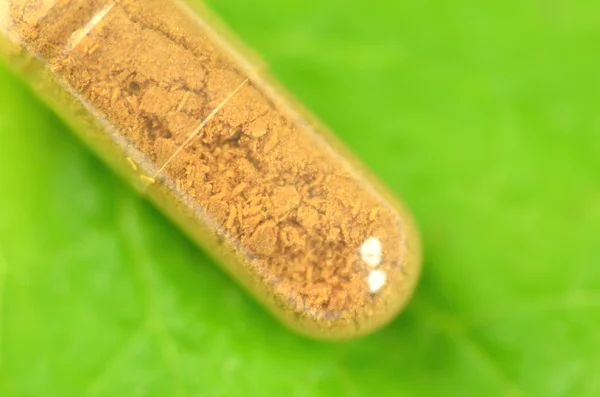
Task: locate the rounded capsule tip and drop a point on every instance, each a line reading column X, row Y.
column 357, row 287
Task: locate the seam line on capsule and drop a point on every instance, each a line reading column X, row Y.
column 195, row 133
column 79, row 35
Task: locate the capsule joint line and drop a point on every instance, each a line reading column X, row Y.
column 163, row 96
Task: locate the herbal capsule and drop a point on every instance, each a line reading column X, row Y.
column 161, row 95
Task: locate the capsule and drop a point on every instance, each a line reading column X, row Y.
column 161, row 94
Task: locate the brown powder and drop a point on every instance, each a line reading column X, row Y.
column 290, row 217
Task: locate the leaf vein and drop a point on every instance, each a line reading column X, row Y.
column 155, row 317
column 112, row 363
column 452, row 327
column 576, row 300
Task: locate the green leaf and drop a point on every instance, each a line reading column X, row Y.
column 482, row 115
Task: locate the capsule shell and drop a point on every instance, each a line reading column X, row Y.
column 162, row 95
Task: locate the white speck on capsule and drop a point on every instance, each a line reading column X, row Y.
column 370, row 252
column 377, row 279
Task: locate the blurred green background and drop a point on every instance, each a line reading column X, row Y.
column 483, row 115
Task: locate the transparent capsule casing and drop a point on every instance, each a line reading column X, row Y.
column 164, row 97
